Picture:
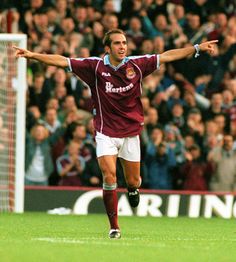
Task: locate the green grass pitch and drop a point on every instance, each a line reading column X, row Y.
column 42, row 237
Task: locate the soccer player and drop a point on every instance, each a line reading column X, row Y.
column 115, row 82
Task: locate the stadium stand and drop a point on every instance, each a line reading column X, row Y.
column 186, row 103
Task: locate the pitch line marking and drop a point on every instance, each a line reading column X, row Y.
column 93, row 240
column 100, row 241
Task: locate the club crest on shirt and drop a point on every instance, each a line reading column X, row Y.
column 130, row 73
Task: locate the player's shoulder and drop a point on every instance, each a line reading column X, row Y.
column 136, row 57
column 140, row 60
column 91, row 58
column 88, row 62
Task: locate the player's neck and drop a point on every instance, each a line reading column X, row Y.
column 114, row 62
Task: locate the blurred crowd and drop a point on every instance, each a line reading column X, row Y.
column 188, row 140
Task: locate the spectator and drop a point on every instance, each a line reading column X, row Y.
column 110, row 21
column 147, row 47
column 134, row 31
column 78, row 135
column 160, row 27
column 53, row 103
column 81, row 20
column 36, row 5
column 220, row 25
column 40, row 92
column 189, row 102
column 70, row 35
column 75, row 86
column 146, row 105
column 215, row 107
column 82, row 26
column 175, row 141
column 33, row 115
column 90, row 132
column 221, row 122
column 51, row 25
column 92, row 175
column 62, row 10
column 62, row 46
column 223, row 159
column 40, row 26
column 38, row 159
column 195, row 126
column 228, row 100
column 188, row 141
column 60, row 94
column 179, row 14
column 195, row 171
column 229, row 110
column 174, row 96
column 193, row 29
column 59, row 78
column 93, row 14
column 98, row 34
column 158, row 44
column 177, row 116
column 109, row 7
column 70, row 166
column 211, row 130
column 160, row 166
column 151, row 120
column 69, row 105
column 158, row 7
column 51, row 121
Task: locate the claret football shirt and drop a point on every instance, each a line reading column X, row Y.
column 116, row 91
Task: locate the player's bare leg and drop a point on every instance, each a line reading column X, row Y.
column 108, row 167
column 133, row 180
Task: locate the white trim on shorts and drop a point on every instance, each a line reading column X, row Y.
column 127, row 148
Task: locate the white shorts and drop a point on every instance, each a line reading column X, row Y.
column 127, row 148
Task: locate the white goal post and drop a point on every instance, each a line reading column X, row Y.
column 13, row 87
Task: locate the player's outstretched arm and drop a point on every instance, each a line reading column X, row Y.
column 54, row 60
column 176, row 54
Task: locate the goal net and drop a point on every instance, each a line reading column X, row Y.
column 12, row 123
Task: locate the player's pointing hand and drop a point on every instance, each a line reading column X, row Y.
column 20, row 52
column 208, row 46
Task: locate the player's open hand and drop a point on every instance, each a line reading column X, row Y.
column 208, row 46
column 20, row 52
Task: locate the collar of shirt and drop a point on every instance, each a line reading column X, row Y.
column 106, row 60
column 228, row 153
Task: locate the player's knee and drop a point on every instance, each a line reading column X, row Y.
column 108, row 173
column 109, row 177
column 134, row 182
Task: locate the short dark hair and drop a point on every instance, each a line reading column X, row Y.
column 107, row 37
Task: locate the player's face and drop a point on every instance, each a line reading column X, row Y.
column 118, row 48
